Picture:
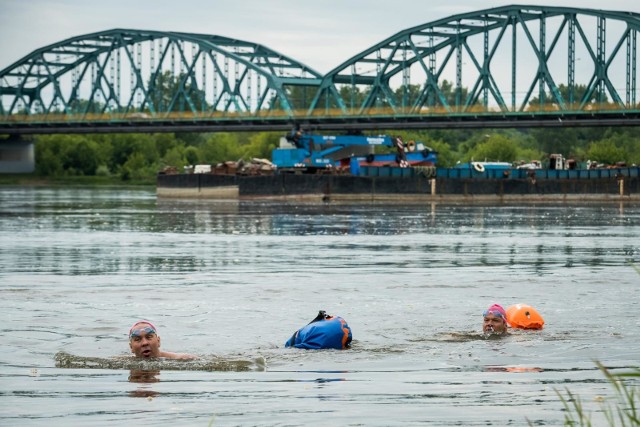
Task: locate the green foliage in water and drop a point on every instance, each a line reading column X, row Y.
column 623, row 409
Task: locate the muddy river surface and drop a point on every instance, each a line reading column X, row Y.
column 231, row 281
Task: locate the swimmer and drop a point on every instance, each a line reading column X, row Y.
column 495, row 320
column 145, row 343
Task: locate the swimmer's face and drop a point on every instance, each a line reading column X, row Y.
column 144, row 341
column 494, row 324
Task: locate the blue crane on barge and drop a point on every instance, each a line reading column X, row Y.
column 310, row 153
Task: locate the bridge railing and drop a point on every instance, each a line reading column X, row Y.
column 373, row 113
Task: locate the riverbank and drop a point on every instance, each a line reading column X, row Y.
column 83, row 181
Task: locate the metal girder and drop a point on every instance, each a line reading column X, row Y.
column 468, row 48
column 87, row 74
column 332, row 123
column 496, row 61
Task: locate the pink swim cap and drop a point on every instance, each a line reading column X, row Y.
column 142, row 321
column 496, row 310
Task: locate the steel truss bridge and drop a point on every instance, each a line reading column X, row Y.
column 512, row 66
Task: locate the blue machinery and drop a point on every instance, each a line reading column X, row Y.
column 312, row 153
column 511, row 66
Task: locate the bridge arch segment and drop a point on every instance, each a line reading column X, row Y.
column 506, row 59
column 155, row 73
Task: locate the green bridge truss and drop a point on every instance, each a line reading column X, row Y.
column 502, row 58
column 542, row 63
column 151, row 72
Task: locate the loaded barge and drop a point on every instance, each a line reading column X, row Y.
column 345, row 168
column 411, row 183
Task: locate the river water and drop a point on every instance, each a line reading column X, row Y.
column 231, row 281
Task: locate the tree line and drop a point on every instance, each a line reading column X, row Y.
column 143, row 156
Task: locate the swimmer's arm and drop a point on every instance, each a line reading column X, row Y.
column 177, row 356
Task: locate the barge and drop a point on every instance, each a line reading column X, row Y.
column 374, row 183
column 350, row 167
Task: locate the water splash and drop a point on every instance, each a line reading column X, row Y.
column 207, row 363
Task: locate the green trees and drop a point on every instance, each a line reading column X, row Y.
column 605, row 151
column 128, row 156
column 49, row 156
column 84, row 158
column 616, row 146
column 570, row 97
column 220, row 147
column 66, row 155
column 141, row 156
column 261, row 144
column 175, row 93
column 497, row 148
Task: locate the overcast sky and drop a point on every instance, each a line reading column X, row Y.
column 321, row 34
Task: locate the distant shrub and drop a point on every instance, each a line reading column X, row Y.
column 103, row 170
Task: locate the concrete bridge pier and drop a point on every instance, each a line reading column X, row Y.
column 17, row 155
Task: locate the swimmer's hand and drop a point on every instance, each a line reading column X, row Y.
column 186, row 357
column 178, row 356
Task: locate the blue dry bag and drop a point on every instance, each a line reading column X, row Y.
column 323, row 332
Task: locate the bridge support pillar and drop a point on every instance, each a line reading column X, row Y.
column 17, row 155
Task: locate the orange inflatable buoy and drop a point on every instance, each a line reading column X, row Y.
column 524, row 316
